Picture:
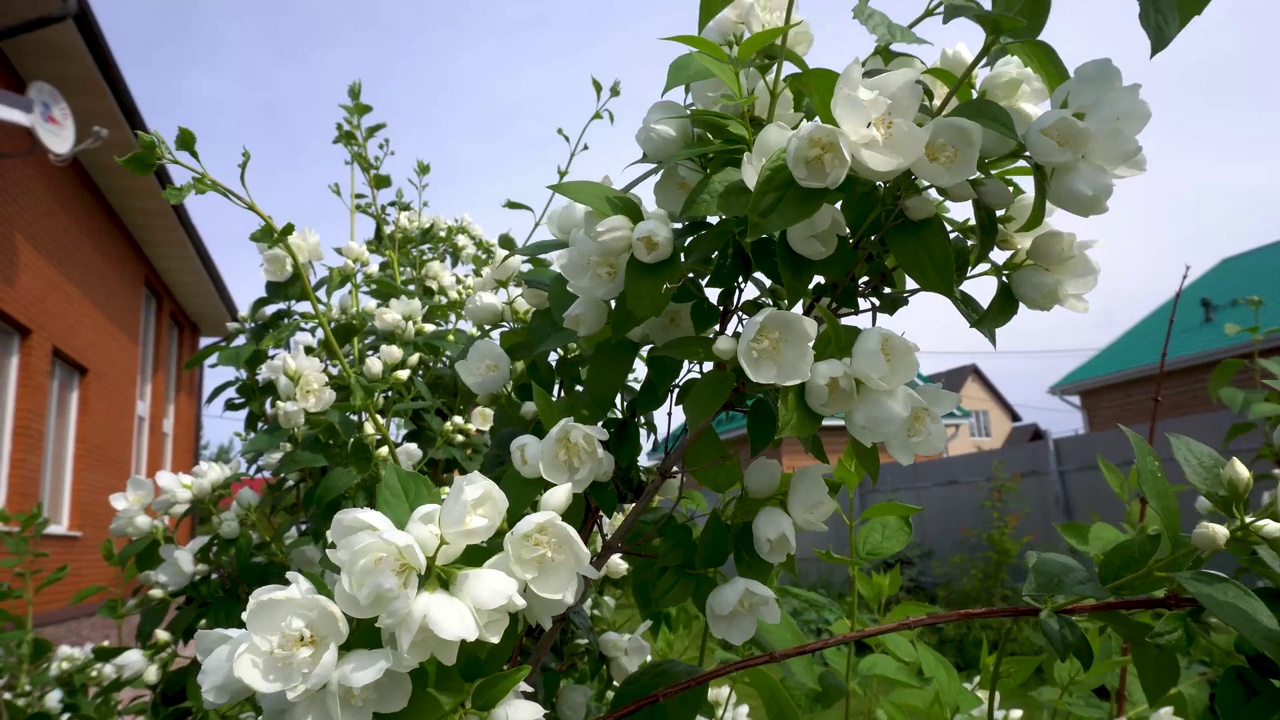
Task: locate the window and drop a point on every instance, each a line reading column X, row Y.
column 170, row 392
column 980, row 425
column 10, row 344
column 142, row 411
column 60, row 443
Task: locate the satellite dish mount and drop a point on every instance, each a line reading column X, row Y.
column 44, row 111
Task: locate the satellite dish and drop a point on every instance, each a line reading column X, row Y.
column 51, row 118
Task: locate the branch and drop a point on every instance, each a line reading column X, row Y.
column 1170, row 602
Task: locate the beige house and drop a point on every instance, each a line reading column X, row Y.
column 991, row 417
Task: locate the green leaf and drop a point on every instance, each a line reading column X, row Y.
column 266, row 439
column 1126, row 559
column 697, row 349
column 599, row 197
column 1052, row 574
column 714, row 545
column 1237, row 688
column 401, row 491
column 762, row 425
column 493, row 689
column 186, row 142
column 1043, row 59
column 697, row 42
column 778, row 705
column 686, row 70
column 1235, row 605
column 1162, row 20
column 87, row 592
column 1004, row 306
column 778, row 201
column 890, row 509
column 886, row 31
column 656, row 676
column 882, row 536
column 336, row 482
column 547, row 411
column 882, row 666
column 144, row 160
column 541, row 247
column 1034, row 13
column 795, row 417
column 1154, row 485
column 923, row 251
column 1223, row 375
column 1118, row 481
column 756, row 42
column 1158, row 669
column 1062, row 633
column 1093, row 539
column 704, row 198
column 989, row 115
column 710, row 462
column 176, row 194
column 818, row 85
column 1040, row 201
column 607, row 370
column 1202, row 466
column 707, row 395
column 708, row 10
column 648, row 287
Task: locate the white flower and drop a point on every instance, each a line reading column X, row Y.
column 1205, row 506
column 920, row 207
column 372, row 368
column 492, row 596
column 883, row 359
column 784, row 109
column 486, row 369
column 877, row 414
column 1081, row 188
column 611, row 236
column 277, row 266
column 1009, row 236
column 179, row 566
column 831, row 388
column 1237, row 477
column 591, row 271
column 546, row 554
column 563, row 220
column 1266, row 529
column 1057, row 138
column 51, row 702
column 777, row 347
column 424, row 526
column 572, row 700
column 1114, row 113
column 774, row 534
column 362, row 684
column 950, row 153
column 131, row 524
column 626, row 651
column 762, row 477
column 390, row 355
column 1063, row 273
column 313, row 393
column 819, row 155
column 652, row 241
column 734, row 608
column 878, row 114
column 725, row 347
column 1210, row 537
column 138, row 493
column 675, row 321
column 473, row 510
column 1011, row 83
column 954, row 59
column 408, row 455
column 130, row 664
column 482, row 418
column 765, row 14
column 572, row 453
column 227, row 525
column 728, row 24
column 355, row 252
column 816, row 236
column 665, row 131
column 616, row 568
column 294, row 634
column 557, row 498
column 515, row 708
column 1164, row 713
column 923, row 432
column 435, row 625
column 378, row 564
column 305, row 243
column 993, row 193
column 177, row 490
column 724, row 701
column 809, row 502
column 772, row 138
column 525, row 456
column 586, row 316
column 483, row 309
column 674, row 185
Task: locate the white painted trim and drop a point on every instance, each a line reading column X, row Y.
column 142, row 400
column 10, row 354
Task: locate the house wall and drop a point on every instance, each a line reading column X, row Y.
column 792, row 455
column 71, row 283
column 1183, row 392
column 977, row 395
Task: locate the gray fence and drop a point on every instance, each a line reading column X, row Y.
column 1058, row 480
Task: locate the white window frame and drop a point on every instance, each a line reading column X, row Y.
column 142, row 402
column 171, row 390
column 61, row 372
column 10, row 349
column 980, row 426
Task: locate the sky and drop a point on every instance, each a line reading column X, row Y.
column 478, row 89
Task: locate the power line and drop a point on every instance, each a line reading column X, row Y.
column 1058, row 351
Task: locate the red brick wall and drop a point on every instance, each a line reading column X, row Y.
column 71, row 281
column 1183, row 392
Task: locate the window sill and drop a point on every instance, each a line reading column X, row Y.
column 49, row 532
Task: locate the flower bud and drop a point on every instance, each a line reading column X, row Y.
column 993, row 193
column 372, row 368
column 1204, row 506
column 1239, row 480
column 919, row 207
column 146, row 577
column 234, row 328
column 458, row 439
column 528, row 410
column 162, row 637
column 1210, row 537
column 247, row 497
column 390, row 355
column 369, row 308
column 156, row 593
column 468, row 428
column 261, row 315
column 456, row 421
column 412, row 362
column 382, row 453
column 1267, row 529
column 151, row 676
column 536, row 298
column 400, row 375
column 725, row 347
column 556, row 499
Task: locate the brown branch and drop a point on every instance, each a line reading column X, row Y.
column 1169, row 602
column 1122, row 687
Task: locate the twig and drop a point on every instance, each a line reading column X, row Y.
column 1170, row 602
column 1122, row 687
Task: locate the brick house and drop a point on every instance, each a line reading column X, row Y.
column 105, row 291
column 1115, row 386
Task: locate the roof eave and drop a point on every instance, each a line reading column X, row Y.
column 1149, row 369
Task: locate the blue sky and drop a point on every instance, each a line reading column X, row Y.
column 478, row 89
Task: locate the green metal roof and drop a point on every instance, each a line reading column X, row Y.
column 736, row 421
column 1252, row 273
